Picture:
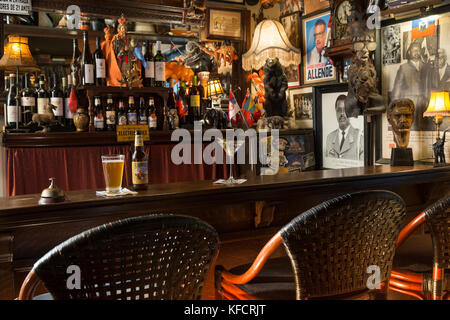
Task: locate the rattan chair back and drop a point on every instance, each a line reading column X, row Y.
column 332, row 245
column 147, row 257
column 437, row 218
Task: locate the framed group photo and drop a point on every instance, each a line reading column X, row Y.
column 302, row 107
column 316, row 67
column 339, row 139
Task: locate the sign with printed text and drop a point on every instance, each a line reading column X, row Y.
column 126, row 133
column 20, row 7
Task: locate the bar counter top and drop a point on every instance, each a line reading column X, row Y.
column 254, row 209
column 364, row 177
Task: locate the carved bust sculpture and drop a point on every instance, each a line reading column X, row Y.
column 400, row 115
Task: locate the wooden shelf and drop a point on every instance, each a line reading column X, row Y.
column 413, row 6
column 45, row 32
column 94, row 90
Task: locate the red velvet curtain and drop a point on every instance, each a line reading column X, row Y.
column 79, row 168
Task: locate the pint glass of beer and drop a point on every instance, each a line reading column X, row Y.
column 113, row 172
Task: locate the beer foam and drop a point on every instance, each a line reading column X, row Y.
column 112, row 161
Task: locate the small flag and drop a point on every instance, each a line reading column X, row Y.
column 423, row 28
column 233, row 107
column 181, row 105
column 248, row 107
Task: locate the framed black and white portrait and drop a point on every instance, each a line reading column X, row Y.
column 302, row 107
column 291, row 25
column 339, row 138
column 417, row 65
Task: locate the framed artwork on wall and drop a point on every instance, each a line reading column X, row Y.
column 225, row 24
column 339, row 139
column 290, row 6
column 302, row 107
column 316, row 67
column 315, row 5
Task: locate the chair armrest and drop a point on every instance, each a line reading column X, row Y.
column 410, row 228
column 258, row 263
column 29, row 286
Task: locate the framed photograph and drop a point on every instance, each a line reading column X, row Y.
column 339, row 139
column 225, row 24
column 290, row 6
column 400, row 3
column 316, row 67
column 414, row 60
column 293, row 75
column 315, row 5
column 291, row 24
column 301, row 107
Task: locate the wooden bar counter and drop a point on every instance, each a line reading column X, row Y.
column 261, row 205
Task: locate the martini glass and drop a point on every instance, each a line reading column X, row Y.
column 230, row 148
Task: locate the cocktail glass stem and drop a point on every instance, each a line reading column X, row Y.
column 231, row 169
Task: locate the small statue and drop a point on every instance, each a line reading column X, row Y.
column 174, row 121
column 45, row 120
column 438, row 149
column 400, row 115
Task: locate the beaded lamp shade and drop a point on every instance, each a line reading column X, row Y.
column 270, row 41
column 17, row 55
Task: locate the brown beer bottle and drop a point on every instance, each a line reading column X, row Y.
column 139, row 163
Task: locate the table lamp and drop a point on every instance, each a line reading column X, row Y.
column 272, row 49
column 214, row 90
column 438, row 107
column 17, row 56
column 215, row 116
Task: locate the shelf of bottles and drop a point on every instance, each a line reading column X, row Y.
column 28, row 107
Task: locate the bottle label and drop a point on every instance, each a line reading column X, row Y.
column 89, row 73
column 152, row 122
column 42, row 105
column 138, row 141
column 140, row 172
column 98, row 121
column 150, row 69
column 143, row 120
column 195, row 101
column 13, row 114
column 58, row 102
column 28, row 101
column 111, row 117
column 132, row 118
column 68, row 114
column 160, row 71
column 122, row 120
column 100, row 68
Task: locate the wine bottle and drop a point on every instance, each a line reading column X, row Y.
column 149, row 70
column 56, row 100
column 132, row 112
column 75, row 64
column 160, row 67
column 100, row 65
column 121, row 114
column 87, row 63
column 110, row 114
column 139, row 165
column 181, row 104
column 99, row 119
column 6, row 84
column 13, row 107
column 194, row 102
column 43, row 97
column 67, row 113
column 28, row 100
column 152, row 119
column 143, row 112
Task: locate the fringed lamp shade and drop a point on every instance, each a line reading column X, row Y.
column 439, row 104
column 17, row 55
column 214, row 88
column 270, row 41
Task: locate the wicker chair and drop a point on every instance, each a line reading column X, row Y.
column 433, row 284
column 147, row 257
column 329, row 251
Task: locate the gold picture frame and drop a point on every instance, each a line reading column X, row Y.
column 225, row 24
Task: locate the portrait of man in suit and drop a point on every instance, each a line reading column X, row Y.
column 443, row 70
column 346, row 142
column 316, row 55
